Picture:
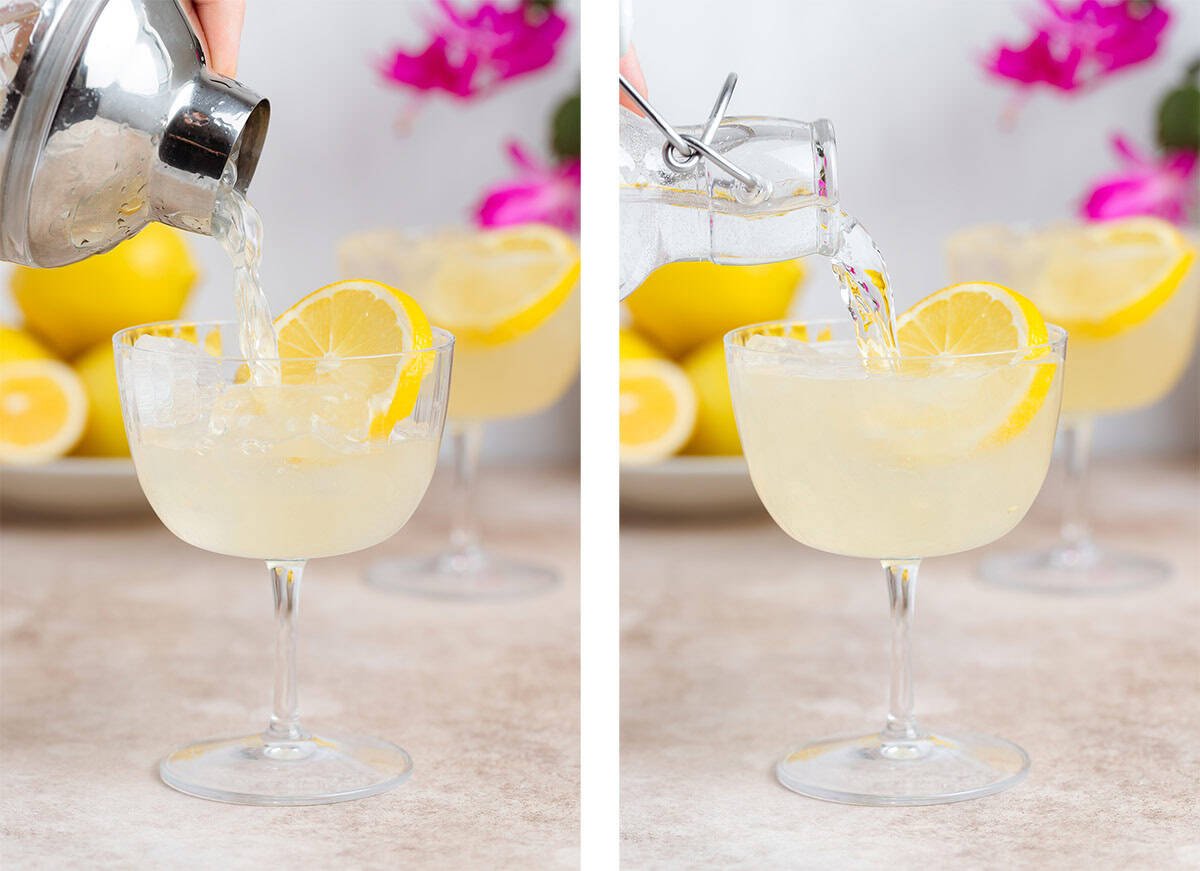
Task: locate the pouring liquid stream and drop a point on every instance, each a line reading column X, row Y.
column 238, row 228
column 866, row 290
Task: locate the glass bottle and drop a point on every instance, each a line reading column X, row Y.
column 691, row 209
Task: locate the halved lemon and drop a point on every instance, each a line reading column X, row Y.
column 658, row 410
column 358, row 318
column 487, row 287
column 982, row 318
column 1098, row 280
column 43, row 410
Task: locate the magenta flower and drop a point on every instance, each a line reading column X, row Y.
column 1167, row 186
column 1072, row 48
column 469, row 54
column 541, row 194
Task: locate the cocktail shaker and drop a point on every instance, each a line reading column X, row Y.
column 109, row 119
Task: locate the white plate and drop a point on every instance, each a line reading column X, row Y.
column 73, row 487
column 689, row 486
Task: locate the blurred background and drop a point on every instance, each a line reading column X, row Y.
column 928, row 142
column 349, row 151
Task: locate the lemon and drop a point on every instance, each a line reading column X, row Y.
column 981, row 318
column 487, row 287
column 17, row 344
column 658, row 410
column 636, row 347
column 682, row 305
column 359, row 318
column 716, row 431
column 1098, row 280
column 43, row 410
column 104, row 435
column 75, row 307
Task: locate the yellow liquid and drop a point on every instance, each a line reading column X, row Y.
column 294, row 501
column 889, row 465
column 1137, row 367
column 520, row 377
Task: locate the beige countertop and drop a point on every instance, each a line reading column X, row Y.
column 739, row 643
column 120, row 643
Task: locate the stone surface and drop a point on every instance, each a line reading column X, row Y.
column 739, row 643
column 121, row 642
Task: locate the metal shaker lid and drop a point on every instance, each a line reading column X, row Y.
column 112, row 120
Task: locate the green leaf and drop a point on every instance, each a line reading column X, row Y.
column 1179, row 119
column 565, row 128
column 536, row 11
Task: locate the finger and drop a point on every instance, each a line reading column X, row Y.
column 221, row 21
column 631, row 69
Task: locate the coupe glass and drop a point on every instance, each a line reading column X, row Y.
column 1108, row 374
column 926, row 457
column 281, row 468
column 492, row 381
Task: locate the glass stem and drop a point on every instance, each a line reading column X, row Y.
column 1076, row 532
column 285, row 715
column 901, row 726
column 464, row 529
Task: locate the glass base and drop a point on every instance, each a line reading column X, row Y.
column 468, row 575
column 316, row 770
column 1073, row 571
column 938, row 769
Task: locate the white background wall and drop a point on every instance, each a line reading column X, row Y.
column 921, row 148
column 334, row 162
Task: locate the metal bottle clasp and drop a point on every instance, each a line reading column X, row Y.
column 682, row 151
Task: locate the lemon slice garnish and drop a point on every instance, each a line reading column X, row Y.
column 658, row 410
column 43, row 410
column 358, row 318
column 1098, row 280
column 983, row 318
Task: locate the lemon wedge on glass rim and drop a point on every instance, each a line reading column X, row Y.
column 1099, row 280
column 358, row 318
column 983, row 318
column 488, row 287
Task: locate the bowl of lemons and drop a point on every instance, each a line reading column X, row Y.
column 680, row 451
column 63, row 450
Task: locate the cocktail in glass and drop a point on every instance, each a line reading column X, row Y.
column 513, row 369
column 1118, row 364
column 894, row 460
column 285, row 468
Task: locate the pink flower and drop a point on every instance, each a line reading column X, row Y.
column 469, row 55
column 1167, row 186
column 541, row 194
column 1073, row 48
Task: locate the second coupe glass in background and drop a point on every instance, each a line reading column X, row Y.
column 1118, row 364
column 499, row 374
